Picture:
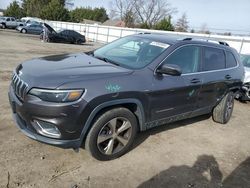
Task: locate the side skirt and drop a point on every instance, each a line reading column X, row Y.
column 178, row 117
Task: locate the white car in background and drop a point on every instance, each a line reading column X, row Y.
column 245, row 91
column 10, row 22
column 31, row 20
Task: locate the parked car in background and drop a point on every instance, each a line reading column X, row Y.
column 31, row 19
column 31, row 29
column 104, row 97
column 63, row 36
column 29, row 22
column 10, row 22
column 245, row 91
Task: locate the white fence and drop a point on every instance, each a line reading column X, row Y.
column 106, row 34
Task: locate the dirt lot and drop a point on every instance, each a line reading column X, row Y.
column 199, row 154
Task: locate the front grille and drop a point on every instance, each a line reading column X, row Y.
column 19, row 86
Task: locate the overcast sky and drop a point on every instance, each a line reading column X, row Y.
column 216, row 14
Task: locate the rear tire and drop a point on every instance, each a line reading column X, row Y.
column 223, row 111
column 112, row 134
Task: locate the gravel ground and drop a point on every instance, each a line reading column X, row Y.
column 191, row 153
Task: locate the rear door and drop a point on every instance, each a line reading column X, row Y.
column 177, row 95
column 64, row 36
column 214, row 76
column 31, row 29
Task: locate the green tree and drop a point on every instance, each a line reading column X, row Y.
column 164, row 24
column 144, row 26
column 100, row 14
column 97, row 14
column 14, row 10
column 55, row 11
column 34, row 8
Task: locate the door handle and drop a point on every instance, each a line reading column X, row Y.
column 228, row 77
column 195, row 81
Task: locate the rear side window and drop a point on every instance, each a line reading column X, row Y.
column 187, row 58
column 214, row 59
column 231, row 62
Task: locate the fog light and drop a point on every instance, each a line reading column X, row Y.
column 46, row 129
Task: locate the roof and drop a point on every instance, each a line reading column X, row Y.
column 159, row 37
column 169, row 39
column 86, row 21
column 117, row 23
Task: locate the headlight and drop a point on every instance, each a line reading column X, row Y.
column 57, row 95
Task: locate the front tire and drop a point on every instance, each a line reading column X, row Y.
column 3, row 26
column 112, row 134
column 223, row 111
column 24, row 31
column 79, row 41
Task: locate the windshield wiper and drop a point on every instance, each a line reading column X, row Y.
column 107, row 60
column 90, row 53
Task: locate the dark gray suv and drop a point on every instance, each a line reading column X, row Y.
column 102, row 99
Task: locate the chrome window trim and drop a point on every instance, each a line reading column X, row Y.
column 201, row 72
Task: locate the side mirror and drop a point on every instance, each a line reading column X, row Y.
column 169, row 69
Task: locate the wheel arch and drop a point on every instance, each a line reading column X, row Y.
column 134, row 105
column 235, row 89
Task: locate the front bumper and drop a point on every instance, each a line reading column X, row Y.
column 66, row 117
column 19, row 28
column 55, row 142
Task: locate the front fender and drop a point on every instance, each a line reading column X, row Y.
column 140, row 115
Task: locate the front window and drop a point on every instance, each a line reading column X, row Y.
column 131, row 52
column 187, row 58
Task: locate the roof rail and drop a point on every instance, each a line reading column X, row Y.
column 207, row 40
column 144, row 33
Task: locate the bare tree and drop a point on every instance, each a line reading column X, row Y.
column 149, row 12
column 182, row 24
column 204, row 29
column 145, row 12
column 123, row 9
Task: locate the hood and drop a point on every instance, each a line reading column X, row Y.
column 53, row 71
column 50, row 29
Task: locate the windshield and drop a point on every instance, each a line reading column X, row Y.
column 131, row 52
column 245, row 59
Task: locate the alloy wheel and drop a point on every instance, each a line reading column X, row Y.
column 114, row 135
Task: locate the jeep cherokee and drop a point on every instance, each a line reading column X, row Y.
column 102, row 98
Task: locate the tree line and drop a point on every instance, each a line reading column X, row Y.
column 148, row 14
column 54, row 10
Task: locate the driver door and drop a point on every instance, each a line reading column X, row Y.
column 176, row 96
